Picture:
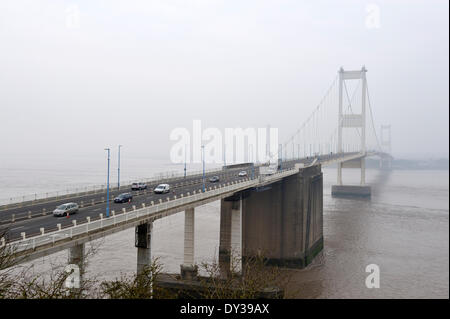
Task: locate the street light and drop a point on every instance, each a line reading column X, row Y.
column 225, row 154
column 107, row 186
column 185, row 148
column 203, row 160
column 118, row 171
column 253, row 164
column 281, row 155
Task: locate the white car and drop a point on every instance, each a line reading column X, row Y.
column 66, row 209
column 242, row 173
column 161, row 189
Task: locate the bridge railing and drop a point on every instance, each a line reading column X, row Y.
column 156, row 210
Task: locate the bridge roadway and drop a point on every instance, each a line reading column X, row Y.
column 22, row 211
column 31, row 226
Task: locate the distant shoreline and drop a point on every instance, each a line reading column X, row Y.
column 406, row 164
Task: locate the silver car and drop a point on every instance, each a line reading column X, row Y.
column 242, row 173
column 66, row 209
column 138, row 186
column 162, row 188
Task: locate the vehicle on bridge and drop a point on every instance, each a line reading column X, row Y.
column 214, row 179
column 123, row 198
column 138, row 186
column 242, row 173
column 268, row 170
column 161, row 189
column 66, row 209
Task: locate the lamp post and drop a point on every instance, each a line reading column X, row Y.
column 107, row 185
column 118, row 171
column 253, row 164
column 225, row 154
column 203, row 160
column 185, row 148
column 281, row 155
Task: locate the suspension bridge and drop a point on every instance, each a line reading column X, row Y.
column 343, row 124
column 280, row 214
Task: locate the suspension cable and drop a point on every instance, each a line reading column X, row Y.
column 372, row 119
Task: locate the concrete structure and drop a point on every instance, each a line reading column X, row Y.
column 76, row 257
column 188, row 268
column 351, row 190
column 143, row 241
column 352, row 121
column 282, row 221
column 230, row 238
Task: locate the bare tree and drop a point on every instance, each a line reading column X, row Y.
column 139, row 286
column 256, row 279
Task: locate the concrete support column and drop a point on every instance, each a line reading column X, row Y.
column 143, row 243
column 363, row 171
column 339, row 175
column 236, row 235
column 188, row 268
column 225, row 237
column 283, row 221
column 75, row 266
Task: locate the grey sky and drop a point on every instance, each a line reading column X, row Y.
column 131, row 71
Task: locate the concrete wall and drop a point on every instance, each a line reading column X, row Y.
column 284, row 221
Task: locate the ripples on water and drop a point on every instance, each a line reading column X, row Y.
column 404, row 229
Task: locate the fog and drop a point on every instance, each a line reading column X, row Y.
column 79, row 76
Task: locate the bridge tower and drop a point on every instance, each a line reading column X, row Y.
column 352, row 121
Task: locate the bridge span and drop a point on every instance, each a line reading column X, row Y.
column 279, row 215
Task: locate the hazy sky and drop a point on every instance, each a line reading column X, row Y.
column 78, row 76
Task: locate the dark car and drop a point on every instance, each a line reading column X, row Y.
column 138, row 186
column 214, row 179
column 123, row 198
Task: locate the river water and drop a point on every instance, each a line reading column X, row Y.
column 403, row 229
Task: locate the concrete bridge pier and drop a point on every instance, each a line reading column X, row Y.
column 283, row 221
column 230, row 242
column 76, row 266
column 361, row 190
column 143, row 236
column 188, row 269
